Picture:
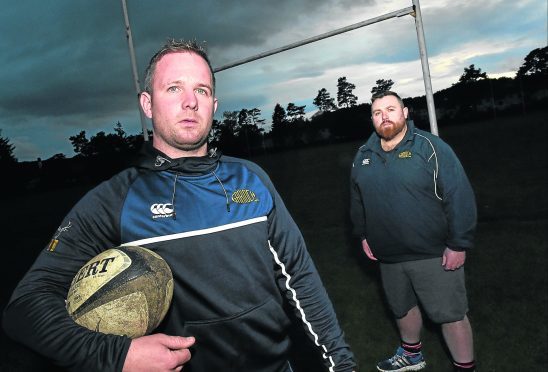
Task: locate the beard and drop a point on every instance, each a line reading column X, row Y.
column 389, row 129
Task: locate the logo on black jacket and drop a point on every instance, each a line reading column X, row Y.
column 244, row 196
column 54, row 241
column 160, row 210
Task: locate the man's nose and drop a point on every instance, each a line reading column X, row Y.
column 189, row 100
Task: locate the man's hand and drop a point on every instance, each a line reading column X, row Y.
column 453, row 260
column 367, row 250
column 158, row 353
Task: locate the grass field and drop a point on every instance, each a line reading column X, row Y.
column 507, row 162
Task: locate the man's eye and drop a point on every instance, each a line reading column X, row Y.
column 201, row 91
column 173, row 89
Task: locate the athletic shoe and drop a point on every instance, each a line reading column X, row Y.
column 402, row 361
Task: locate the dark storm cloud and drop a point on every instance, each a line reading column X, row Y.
column 57, row 56
column 224, row 25
column 71, row 56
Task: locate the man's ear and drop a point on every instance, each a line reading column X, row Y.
column 405, row 112
column 145, row 99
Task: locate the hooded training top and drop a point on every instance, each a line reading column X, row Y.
column 412, row 202
column 236, row 255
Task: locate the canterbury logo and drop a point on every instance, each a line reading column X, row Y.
column 244, row 196
column 162, row 210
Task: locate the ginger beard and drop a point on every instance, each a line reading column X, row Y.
column 387, row 130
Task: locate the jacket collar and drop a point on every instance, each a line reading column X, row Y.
column 153, row 159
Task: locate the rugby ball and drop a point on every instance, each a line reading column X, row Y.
column 125, row 290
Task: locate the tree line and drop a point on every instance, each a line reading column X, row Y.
column 474, row 96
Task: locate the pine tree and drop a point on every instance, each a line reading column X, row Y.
column 323, row 101
column 345, row 97
column 472, row 74
column 6, row 151
column 536, row 62
column 295, row 112
column 382, row 86
column 279, row 117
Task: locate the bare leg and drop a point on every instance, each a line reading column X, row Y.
column 459, row 339
column 410, row 326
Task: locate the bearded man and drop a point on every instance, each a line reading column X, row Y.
column 414, row 211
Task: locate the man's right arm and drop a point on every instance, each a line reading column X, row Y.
column 40, row 321
column 36, row 315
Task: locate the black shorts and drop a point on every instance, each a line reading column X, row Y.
column 441, row 293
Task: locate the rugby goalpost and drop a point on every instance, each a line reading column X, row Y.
column 413, row 10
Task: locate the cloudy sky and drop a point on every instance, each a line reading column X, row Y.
column 66, row 66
